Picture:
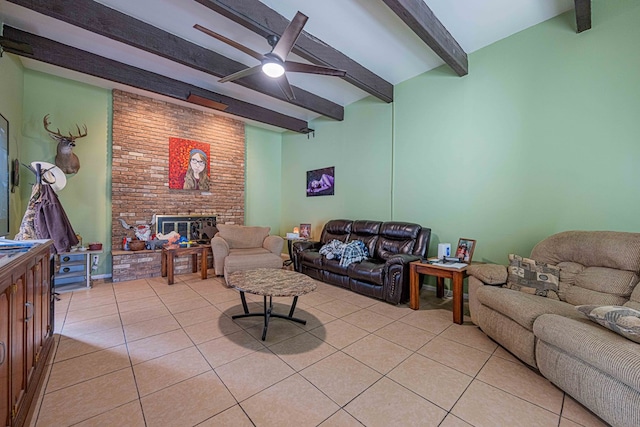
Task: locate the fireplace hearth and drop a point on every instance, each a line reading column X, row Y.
column 198, row 228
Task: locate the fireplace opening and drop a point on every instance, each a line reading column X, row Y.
column 196, row 228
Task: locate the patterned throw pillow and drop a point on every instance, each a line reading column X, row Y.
column 537, row 278
column 621, row 320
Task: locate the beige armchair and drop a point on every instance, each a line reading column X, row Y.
column 238, row 247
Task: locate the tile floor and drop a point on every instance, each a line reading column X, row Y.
column 143, row 353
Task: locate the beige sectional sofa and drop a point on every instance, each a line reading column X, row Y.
column 239, row 247
column 596, row 366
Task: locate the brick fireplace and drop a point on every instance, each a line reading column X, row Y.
column 140, row 173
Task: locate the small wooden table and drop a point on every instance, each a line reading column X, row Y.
column 456, row 275
column 169, row 254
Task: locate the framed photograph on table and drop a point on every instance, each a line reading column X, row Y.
column 305, row 231
column 464, row 250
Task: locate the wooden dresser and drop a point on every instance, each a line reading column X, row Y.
column 26, row 329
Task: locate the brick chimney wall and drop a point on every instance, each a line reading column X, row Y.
column 140, row 163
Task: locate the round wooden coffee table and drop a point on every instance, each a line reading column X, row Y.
column 271, row 282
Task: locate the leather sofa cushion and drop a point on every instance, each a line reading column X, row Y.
column 367, row 233
column 367, row 271
column 333, row 265
column 338, row 229
column 396, row 238
column 311, row 258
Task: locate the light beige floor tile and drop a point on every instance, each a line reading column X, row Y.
column 336, row 292
column 140, row 304
column 148, row 328
column 173, row 297
column 341, row 419
column 431, row 380
column 91, row 313
column 198, row 315
column 229, row 348
column 341, row 377
column 504, row 354
column 313, row 299
column 313, row 316
column 182, row 306
column 232, row 417
column 90, row 326
column 85, row 303
column 405, row 335
column 158, row 345
column 233, row 307
column 159, row 284
column 188, row 404
column 377, row 353
column 252, row 373
column 389, row 404
column 129, row 414
column 88, row 343
column 339, row 333
column 143, row 314
column 164, row 371
column 483, row 405
column 434, row 321
column 453, row 421
column 278, row 330
column 136, row 295
column 367, row 320
column 564, row 422
column 87, row 399
column 454, row 355
column 389, row 310
column 517, row 379
column 88, row 366
column 574, row 411
column 471, row 336
column 302, row 350
column 206, row 331
column 299, row 404
column 338, row 308
column 130, row 286
column 225, row 296
column 361, row 301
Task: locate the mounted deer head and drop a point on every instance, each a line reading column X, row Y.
column 65, row 158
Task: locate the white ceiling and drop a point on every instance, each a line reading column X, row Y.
column 365, row 30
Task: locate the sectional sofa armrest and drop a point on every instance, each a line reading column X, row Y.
column 299, row 246
column 220, row 250
column 273, row 244
column 489, row 274
column 402, row 259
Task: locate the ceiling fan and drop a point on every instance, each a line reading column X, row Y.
column 274, row 63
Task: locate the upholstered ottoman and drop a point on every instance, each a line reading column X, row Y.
column 251, row 262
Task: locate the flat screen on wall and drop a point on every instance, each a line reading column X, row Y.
column 4, row 176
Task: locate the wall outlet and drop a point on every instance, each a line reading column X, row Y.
column 95, row 259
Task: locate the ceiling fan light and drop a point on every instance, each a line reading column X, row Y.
column 273, row 69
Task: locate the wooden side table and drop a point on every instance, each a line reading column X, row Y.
column 456, row 275
column 169, row 254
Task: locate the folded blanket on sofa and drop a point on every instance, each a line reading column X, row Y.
column 347, row 253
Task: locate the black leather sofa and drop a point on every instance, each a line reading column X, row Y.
column 385, row 275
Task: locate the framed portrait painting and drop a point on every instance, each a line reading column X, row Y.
column 464, row 250
column 188, row 165
column 305, row 231
column 321, row 182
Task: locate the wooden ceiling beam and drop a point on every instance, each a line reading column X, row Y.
column 417, row 16
column 71, row 58
column 583, row 15
column 107, row 22
column 262, row 20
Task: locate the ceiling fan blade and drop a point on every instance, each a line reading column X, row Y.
column 230, row 42
column 244, row 73
column 299, row 67
column 14, row 46
column 289, row 36
column 286, row 87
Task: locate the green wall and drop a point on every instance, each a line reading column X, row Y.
column 11, row 108
column 87, row 196
column 359, row 148
column 263, row 184
column 540, row 137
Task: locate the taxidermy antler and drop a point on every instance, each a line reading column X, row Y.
column 65, row 158
column 142, row 231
